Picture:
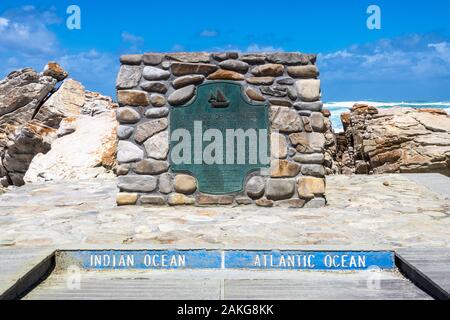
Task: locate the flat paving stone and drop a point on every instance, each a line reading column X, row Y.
column 372, row 212
column 433, row 181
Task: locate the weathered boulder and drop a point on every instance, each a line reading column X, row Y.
column 133, row 98
column 284, row 169
column 128, row 152
column 254, row 94
column 165, row 183
column 396, row 140
column 261, row 80
column 304, row 72
column 308, row 90
column 124, row 132
column 51, row 135
column 66, row 102
column 191, row 57
column 309, row 187
column 280, row 189
column 151, row 166
column 188, row 80
column 21, row 94
column 137, row 183
column 308, row 142
column 157, row 112
column 157, row 147
column 31, row 139
column 292, row 58
column 152, row 200
column 253, row 58
column 149, row 129
column 278, row 145
column 268, row 70
column 154, row 86
column 128, row 77
column 132, row 59
column 88, row 152
column 285, row 119
column 181, row 96
column 152, row 58
column 126, row 199
column 152, row 73
column 185, row 184
column 255, row 187
column 127, row 115
column 182, row 69
column 54, row 70
column 178, row 199
column 226, row 75
column 157, row 100
column 235, row 65
column 221, row 56
column 209, row 200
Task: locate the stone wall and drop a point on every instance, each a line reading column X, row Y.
column 150, row 85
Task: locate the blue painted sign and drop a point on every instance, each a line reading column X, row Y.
column 230, row 259
column 164, row 259
column 305, row 260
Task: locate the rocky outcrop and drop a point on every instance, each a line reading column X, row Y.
column 331, row 146
column 21, row 94
column 29, row 140
column 36, row 116
column 66, row 102
column 86, row 147
column 395, row 140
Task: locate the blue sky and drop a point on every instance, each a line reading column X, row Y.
column 408, row 59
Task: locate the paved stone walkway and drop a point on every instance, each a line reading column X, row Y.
column 379, row 212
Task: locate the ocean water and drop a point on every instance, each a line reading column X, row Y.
column 336, row 108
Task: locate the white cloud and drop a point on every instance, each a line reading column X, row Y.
column 3, row 23
column 442, row 49
column 134, row 42
column 26, row 40
column 209, row 33
column 132, row 38
column 178, row 48
column 92, row 62
column 252, row 48
column 26, row 30
column 406, row 58
column 337, row 54
column 262, row 48
column 28, row 8
column 95, row 69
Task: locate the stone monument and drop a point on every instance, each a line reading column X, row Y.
column 220, row 129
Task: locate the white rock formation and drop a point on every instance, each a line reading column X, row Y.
column 86, row 148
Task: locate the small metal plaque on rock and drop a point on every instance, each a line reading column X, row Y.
column 220, row 137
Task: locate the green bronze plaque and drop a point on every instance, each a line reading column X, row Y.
column 219, row 137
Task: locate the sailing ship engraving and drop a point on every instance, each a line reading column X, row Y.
column 219, row 100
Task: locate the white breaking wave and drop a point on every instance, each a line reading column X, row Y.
column 339, row 107
column 377, row 104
